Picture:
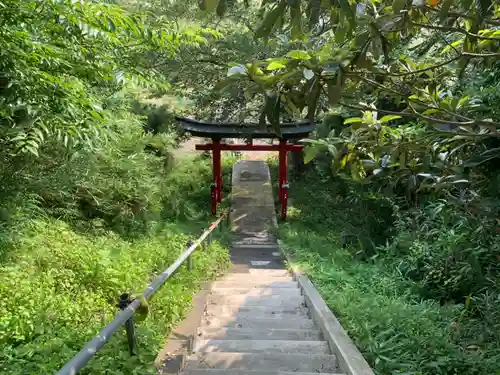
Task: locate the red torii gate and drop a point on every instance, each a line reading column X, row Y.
column 219, row 131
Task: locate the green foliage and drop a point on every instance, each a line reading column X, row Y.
column 383, row 298
column 446, row 252
column 60, row 60
column 61, row 287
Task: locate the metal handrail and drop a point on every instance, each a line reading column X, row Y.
column 92, row 347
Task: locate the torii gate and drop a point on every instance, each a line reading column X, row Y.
column 218, row 131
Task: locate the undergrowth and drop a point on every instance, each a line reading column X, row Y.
column 63, row 287
column 410, row 306
column 78, row 229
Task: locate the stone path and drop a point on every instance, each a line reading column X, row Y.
column 255, row 319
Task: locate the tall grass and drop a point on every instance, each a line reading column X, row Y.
column 398, row 330
column 79, row 228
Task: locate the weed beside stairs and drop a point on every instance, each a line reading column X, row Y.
column 60, row 278
column 387, row 312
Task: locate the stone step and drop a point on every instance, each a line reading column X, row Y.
column 264, row 274
column 208, row 314
column 252, row 236
column 261, row 346
column 253, row 292
column 260, row 334
column 255, row 246
column 258, row 311
column 245, row 279
column 210, row 371
column 255, row 284
column 296, row 362
column 247, row 300
column 278, row 322
column 248, row 241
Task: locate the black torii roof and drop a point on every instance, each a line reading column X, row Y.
column 217, row 130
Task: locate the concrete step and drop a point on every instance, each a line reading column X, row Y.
column 296, row 362
column 252, row 292
column 244, row 238
column 255, row 246
column 260, row 334
column 260, row 274
column 278, row 322
column 256, row 311
column 247, row 300
column 255, row 284
column 247, row 372
column 244, row 279
column 261, row 346
column 253, row 316
column 259, row 244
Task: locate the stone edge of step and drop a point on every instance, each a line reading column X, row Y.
column 349, row 359
column 201, row 357
column 261, row 346
column 251, row 372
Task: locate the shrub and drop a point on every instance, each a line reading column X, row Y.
column 61, row 287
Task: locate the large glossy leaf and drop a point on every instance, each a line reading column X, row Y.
column 398, row 5
column 348, row 12
column 388, row 118
column 270, row 20
column 296, row 19
column 310, row 152
column 334, row 92
column 299, row 55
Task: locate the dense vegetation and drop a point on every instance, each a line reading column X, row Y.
column 406, row 97
column 92, row 202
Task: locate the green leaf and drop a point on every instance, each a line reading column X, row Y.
column 334, row 93
column 388, row 118
column 312, row 99
column 299, row 55
column 445, row 8
column 270, row 20
column 310, row 153
column 221, row 8
column 340, row 34
column 313, row 10
column 353, row 120
column 398, row 6
column 349, row 13
column 275, row 65
column 430, row 111
column 295, row 19
column 208, row 5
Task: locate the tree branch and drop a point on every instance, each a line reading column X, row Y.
column 455, row 29
column 493, row 22
column 480, row 55
column 412, row 114
column 415, row 71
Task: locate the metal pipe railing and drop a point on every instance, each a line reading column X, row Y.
column 92, row 347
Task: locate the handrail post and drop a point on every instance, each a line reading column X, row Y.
column 190, row 258
column 129, row 324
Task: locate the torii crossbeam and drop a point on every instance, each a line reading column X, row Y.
column 218, row 131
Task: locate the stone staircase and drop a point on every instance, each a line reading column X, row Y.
column 255, row 319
